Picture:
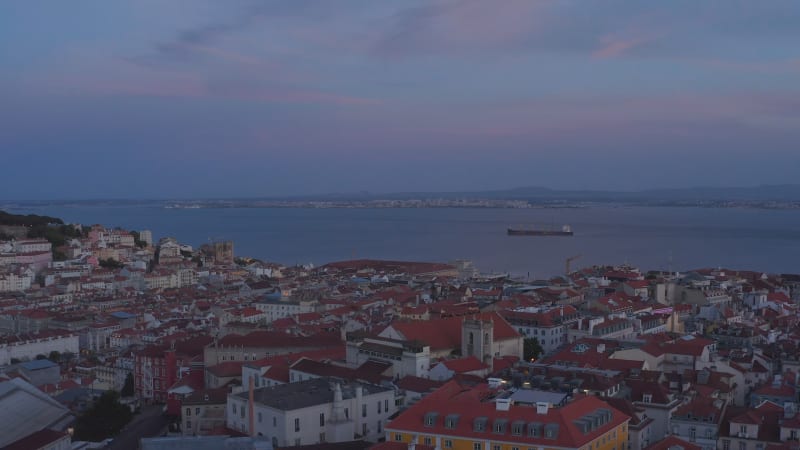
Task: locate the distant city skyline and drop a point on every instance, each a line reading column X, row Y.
column 194, row 98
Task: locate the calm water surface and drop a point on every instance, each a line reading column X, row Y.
column 649, row 237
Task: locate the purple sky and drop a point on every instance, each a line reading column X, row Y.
column 199, row 98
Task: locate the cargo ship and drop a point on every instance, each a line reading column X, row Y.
column 564, row 231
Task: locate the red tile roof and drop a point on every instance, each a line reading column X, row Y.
column 672, row 442
column 445, row 333
column 463, row 365
column 472, row 403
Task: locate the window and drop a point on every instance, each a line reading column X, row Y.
column 322, row 437
column 476, row 446
column 188, row 412
column 692, row 434
column 297, row 424
column 363, row 429
column 241, row 412
column 426, row 440
column 380, row 427
column 742, row 445
column 347, row 413
column 726, row 444
column 197, row 411
column 364, row 410
column 297, row 442
column 647, row 398
column 742, row 429
column 398, row 437
column 322, row 419
column 188, row 424
column 259, row 417
column 386, row 405
column 379, row 407
column 274, row 421
column 496, row 447
column 448, row 443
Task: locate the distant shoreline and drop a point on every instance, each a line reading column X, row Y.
column 432, row 203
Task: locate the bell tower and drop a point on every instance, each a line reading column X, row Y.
column 477, row 339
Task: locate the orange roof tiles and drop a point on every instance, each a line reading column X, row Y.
column 472, row 403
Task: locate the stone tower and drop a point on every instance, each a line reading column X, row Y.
column 477, row 339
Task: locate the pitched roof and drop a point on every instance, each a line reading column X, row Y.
column 462, row 365
column 445, row 333
column 469, row 404
column 37, row 440
column 673, row 442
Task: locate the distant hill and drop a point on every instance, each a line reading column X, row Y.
column 762, row 193
column 757, row 193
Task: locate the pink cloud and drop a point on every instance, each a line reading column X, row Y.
column 613, row 47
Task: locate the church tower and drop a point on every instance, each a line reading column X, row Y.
column 477, row 339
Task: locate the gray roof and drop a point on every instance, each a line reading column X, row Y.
column 303, row 394
column 24, row 409
column 534, row 395
column 38, row 364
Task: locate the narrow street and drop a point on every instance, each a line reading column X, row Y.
column 149, row 423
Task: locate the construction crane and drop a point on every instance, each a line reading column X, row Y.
column 568, row 263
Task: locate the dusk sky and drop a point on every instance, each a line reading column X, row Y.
column 201, row 98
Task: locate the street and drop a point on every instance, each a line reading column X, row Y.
column 149, row 423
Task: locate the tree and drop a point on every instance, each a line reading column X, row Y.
column 54, row 356
column 531, row 349
column 137, row 239
column 111, row 263
column 106, row 418
column 127, row 389
column 68, row 356
column 40, row 356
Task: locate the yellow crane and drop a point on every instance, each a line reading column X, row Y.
column 568, row 264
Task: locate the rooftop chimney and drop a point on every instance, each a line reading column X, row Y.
column 503, row 404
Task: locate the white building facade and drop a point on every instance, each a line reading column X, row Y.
column 313, row 411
